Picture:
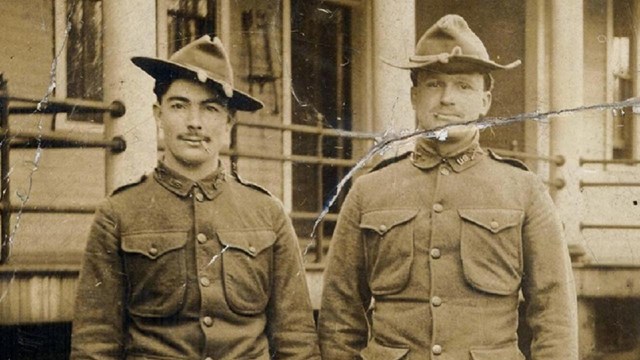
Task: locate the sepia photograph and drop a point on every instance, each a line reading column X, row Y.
column 320, row 179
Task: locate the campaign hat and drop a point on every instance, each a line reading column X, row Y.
column 204, row 60
column 451, row 46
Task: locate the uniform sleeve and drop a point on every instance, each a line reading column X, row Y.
column 99, row 312
column 343, row 325
column 290, row 325
column 548, row 285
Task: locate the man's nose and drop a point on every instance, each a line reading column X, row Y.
column 448, row 95
column 193, row 119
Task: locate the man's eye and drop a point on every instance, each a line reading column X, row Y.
column 178, row 106
column 212, row 108
column 465, row 86
column 433, row 84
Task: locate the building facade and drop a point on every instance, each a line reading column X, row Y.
column 328, row 97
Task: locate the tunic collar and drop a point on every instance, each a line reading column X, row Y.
column 460, row 155
column 181, row 185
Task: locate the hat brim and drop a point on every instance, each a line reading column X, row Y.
column 168, row 70
column 453, row 64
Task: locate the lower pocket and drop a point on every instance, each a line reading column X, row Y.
column 376, row 351
column 507, row 352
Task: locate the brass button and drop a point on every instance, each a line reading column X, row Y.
column 199, row 196
column 494, row 225
column 252, row 249
column 444, row 171
column 202, row 238
column 382, row 228
column 153, row 250
column 436, row 349
column 204, row 281
column 436, row 301
column 438, row 207
column 208, row 358
column 435, row 253
column 207, row 320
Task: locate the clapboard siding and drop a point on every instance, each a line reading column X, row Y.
column 28, row 298
column 26, row 40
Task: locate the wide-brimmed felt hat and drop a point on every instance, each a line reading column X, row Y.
column 451, row 46
column 204, row 60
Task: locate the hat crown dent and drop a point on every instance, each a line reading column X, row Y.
column 451, row 35
column 207, row 58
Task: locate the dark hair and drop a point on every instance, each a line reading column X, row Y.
column 161, row 87
column 488, row 79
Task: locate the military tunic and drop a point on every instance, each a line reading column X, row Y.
column 182, row 269
column 432, row 252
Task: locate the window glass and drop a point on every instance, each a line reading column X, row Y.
column 84, row 54
column 189, row 20
column 620, row 59
column 321, row 75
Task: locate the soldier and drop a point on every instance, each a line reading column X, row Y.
column 432, row 249
column 191, row 262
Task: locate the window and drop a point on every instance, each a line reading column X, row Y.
column 621, row 70
column 84, row 54
column 321, row 83
column 188, row 20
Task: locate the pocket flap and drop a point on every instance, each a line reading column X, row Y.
column 375, row 351
column 509, row 352
column 252, row 242
column 382, row 221
column 154, row 245
column 494, row 220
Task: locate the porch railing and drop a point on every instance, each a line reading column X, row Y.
column 11, row 105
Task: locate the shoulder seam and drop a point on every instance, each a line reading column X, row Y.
column 251, row 184
column 389, row 161
column 507, row 160
column 119, row 189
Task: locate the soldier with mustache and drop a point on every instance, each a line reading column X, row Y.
column 434, row 249
column 192, row 262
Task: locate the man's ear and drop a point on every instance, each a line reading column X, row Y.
column 414, row 94
column 486, row 103
column 157, row 112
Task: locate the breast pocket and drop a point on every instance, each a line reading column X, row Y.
column 491, row 249
column 156, row 269
column 247, row 266
column 388, row 236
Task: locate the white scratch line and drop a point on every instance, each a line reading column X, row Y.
column 216, row 256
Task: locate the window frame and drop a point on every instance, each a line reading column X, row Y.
column 61, row 120
column 634, row 60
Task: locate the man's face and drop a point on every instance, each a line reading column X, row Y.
column 447, row 99
column 196, row 125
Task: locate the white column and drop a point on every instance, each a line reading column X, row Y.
column 129, row 30
column 566, row 91
column 394, row 39
column 536, row 94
